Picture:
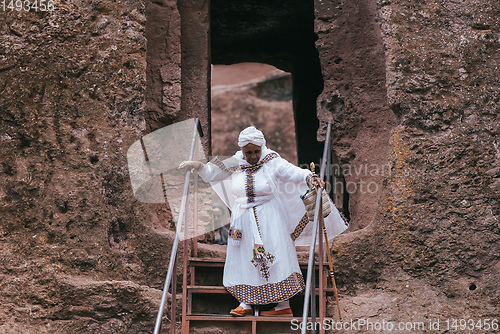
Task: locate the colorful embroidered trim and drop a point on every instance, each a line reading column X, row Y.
column 344, row 218
column 250, row 184
column 250, row 171
column 259, row 164
column 258, row 249
column 235, row 234
column 300, row 227
column 216, row 161
column 270, row 292
column 261, row 259
column 256, row 220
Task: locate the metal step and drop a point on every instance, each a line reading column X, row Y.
column 209, row 317
column 220, row 289
column 206, row 314
column 204, row 262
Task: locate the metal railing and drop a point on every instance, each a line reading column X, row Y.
column 310, row 282
column 180, row 221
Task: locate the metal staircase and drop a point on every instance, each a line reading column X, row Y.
column 208, row 303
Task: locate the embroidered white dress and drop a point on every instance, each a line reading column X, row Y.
column 261, row 261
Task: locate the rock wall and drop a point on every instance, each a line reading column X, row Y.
column 163, row 76
column 354, row 99
column 78, row 253
column 442, row 80
column 438, row 217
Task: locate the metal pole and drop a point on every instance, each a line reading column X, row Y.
column 321, row 287
column 310, row 265
column 329, row 172
column 313, row 279
column 313, row 296
column 173, row 254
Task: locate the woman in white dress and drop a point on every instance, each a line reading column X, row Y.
column 263, row 192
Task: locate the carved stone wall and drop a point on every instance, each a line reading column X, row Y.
column 354, row 99
column 178, row 64
column 79, row 254
column 438, row 216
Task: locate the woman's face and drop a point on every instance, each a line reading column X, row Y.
column 251, row 153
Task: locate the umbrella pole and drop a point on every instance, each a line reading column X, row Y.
column 331, row 273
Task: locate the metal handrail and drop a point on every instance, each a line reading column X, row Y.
column 175, row 245
column 310, row 265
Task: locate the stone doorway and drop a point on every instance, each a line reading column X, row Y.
column 280, row 34
column 256, row 94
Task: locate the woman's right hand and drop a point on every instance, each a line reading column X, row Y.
column 191, row 164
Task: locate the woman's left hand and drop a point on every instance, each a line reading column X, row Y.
column 317, row 182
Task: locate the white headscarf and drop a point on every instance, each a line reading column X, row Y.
column 251, row 136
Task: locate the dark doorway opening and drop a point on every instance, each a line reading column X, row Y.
column 255, row 94
column 279, row 33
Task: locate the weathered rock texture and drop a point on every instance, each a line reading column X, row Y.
column 354, row 99
column 438, row 218
column 78, row 86
column 78, row 253
column 172, row 42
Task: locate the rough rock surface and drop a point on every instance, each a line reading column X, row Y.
column 78, row 253
column 354, row 99
column 438, row 219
